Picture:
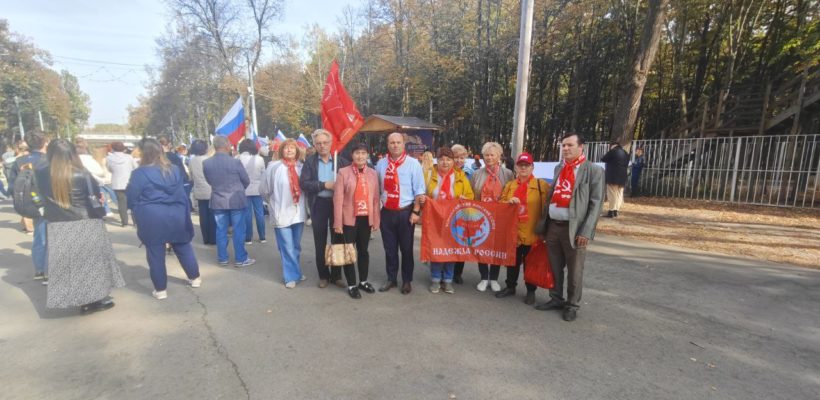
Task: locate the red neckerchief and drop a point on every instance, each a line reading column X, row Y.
column 566, row 183
column 391, row 181
column 293, row 179
column 521, row 194
column 361, row 197
column 445, row 192
column 492, row 186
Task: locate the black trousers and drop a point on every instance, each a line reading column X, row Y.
column 322, row 217
column 514, row 271
column 207, row 222
column 122, row 206
column 489, row 272
column 458, row 269
column 359, row 235
column 397, row 234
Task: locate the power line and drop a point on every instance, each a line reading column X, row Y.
column 99, row 61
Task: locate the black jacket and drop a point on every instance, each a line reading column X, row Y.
column 309, row 180
column 81, row 206
column 617, row 162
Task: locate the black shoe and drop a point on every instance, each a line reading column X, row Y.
column 406, row 288
column 570, row 314
column 367, row 287
column 506, row 292
column 530, row 299
column 610, row 214
column 615, row 213
column 354, row 292
column 550, row 305
column 96, row 306
column 458, row 280
column 387, row 286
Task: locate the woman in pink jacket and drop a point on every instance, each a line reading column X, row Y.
column 356, row 208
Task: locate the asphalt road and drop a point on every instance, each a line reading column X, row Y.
column 656, row 323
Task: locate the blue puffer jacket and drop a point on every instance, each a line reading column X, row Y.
column 159, row 206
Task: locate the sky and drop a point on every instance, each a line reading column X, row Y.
column 106, row 44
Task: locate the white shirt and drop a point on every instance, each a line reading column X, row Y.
column 255, row 166
column 275, row 187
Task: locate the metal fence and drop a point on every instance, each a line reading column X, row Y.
column 779, row 171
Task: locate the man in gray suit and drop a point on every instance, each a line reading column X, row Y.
column 575, row 202
column 228, row 180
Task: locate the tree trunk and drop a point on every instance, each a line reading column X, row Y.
column 626, row 111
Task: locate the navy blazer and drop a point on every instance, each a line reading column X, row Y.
column 159, row 205
column 228, row 180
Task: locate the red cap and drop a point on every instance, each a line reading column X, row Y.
column 524, row 158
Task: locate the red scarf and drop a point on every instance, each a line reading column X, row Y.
column 445, row 191
column 293, row 179
column 521, row 194
column 391, row 182
column 361, row 197
column 492, row 186
column 566, row 183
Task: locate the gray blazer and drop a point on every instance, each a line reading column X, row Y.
column 228, row 180
column 587, row 200
column 479, row 178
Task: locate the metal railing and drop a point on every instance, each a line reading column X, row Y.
column 781, row 171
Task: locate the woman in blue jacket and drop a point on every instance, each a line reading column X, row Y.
column 161, row 211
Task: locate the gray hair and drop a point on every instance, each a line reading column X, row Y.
column 457, row 148
column 321, row 132
column 494, row 146
column 221, row 142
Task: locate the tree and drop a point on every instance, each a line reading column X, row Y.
column 626, row 110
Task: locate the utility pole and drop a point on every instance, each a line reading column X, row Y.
column 40, row 115
column 253, row 99
column 20, row 118
column 522, row 78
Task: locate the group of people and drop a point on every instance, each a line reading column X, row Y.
column 346, row 199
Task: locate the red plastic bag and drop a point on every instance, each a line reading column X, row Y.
column 537, row 269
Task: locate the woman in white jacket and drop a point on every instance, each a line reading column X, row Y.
column 255, row 166
column 202, row 190
column 287, row 208
column 120, row 164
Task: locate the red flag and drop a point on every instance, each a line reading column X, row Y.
column 466, row 230
column 339, row 114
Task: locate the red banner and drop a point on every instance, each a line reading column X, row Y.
column 340, row 116
column 466, row 230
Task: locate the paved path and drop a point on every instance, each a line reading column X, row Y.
column 656, row 323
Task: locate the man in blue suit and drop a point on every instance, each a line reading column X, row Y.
column 228, row 180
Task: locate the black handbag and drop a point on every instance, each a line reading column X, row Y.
column 95, row 206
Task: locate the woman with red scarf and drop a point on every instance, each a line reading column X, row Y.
column 530, row 195
column 445, row 182
column 356, row 213
column 488, row 183
column 280, row 186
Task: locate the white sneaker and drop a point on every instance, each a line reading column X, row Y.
column 482, row 286
column 195, row 283
column 161, row 295
column 303, row 278
column 290, row 285
column 246, row 263
column 263, row 241
column 495, row 286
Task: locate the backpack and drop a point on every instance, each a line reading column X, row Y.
column 27, row 200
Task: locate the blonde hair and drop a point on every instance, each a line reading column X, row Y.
column 427, row 161
column 492, row 146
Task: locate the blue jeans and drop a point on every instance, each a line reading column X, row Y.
column 109, row 196
column 155, row 253
column 436, row 270
column 288, row 240
column 39, row 252
column 256, row 210
column 236, row 219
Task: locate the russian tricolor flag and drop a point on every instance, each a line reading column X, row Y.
column 280, row 137
column 233, row 123
column 303, row 142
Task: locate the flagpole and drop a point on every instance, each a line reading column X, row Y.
column 335, row 161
